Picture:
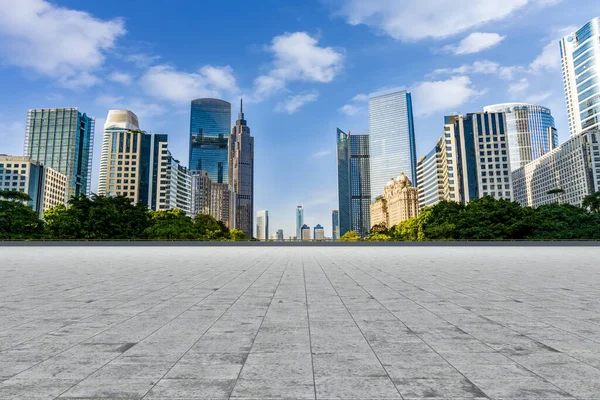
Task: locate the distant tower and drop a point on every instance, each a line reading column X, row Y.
column 299, row 221
column 241, row 172
column 262, row 225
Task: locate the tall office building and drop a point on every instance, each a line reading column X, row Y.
column 391, row 137
column 318, row 233
column 46, row 187
column 241, row 172
column 299, row 221
column 210, row 124
column 354, row 184
column 580, row 55
column 305, row 233
column 201, row 190
column 222, row 203
column 262, row 225
column 140, row 166
column 530, row 131
column 62, row 139
column 573, row 167
column 433, row 175
column 474, row 160
column 335, row 224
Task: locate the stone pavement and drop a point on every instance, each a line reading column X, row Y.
column 299, row 323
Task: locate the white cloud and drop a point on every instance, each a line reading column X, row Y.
column 519, row 87
column 549, row 58
column 438, row 96
column 142, row 109
column 350, row 109
column 403, row 20
column 297, row 57
column 141, row 60
column 120, row 77
column 475, row 43
column 54, row 41
column 538, row 98
column 361, row 97
column 293, row 103
column 481, row 67
column 164, row 82
column 321, row 154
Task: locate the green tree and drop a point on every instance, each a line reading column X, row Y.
column 17, row 220
column 350, row 236
column 441, row 221
column 99, row 217
column 592, row 202
column 208, row 228
column 565, row 222
column 378, row 237
column 170, row 225
column 237, row 234
column 380, row 228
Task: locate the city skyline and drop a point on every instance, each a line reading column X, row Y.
column 295, row 152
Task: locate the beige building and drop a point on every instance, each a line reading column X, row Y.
column 223, row 203
column 46, row 186
column 400, row 201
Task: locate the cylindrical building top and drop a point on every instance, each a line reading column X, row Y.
column 123, row 119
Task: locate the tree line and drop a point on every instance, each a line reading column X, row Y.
column 488, row 218
column 102, row 218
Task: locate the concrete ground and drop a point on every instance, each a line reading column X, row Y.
column 299, row 323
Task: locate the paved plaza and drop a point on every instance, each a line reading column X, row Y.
column 299, row 323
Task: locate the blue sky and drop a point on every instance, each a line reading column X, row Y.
column 304, row 68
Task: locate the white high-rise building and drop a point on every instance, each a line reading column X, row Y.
column 580, row 54
column 262, row 225
column 573, row 167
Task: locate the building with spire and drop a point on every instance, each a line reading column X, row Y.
column 241, row 172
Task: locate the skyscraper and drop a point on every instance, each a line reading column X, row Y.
column 241, row 172
column 335, row 224
column 476, row 162
column 62, row 139
column 433, row 175
column 280, row 235
column 530, row 131
column 299, row 221
column 391, row 138
column 354, row 185
column 318, row 233
column 580, row 54
column 262, row 225
column 210, row 124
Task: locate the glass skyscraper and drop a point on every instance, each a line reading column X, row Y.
column 62, row 139
column 354, row 187
column 530, row 131
column 299, row 222
column 210, row 125
column 392, row 138
column 335, row 224
column 580, row 55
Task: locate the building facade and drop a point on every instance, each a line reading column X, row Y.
column 472, row 157
column 210, row 124
column 46, row 187
column 354, row 183
column 223, row 203
column 433, row 176
column 62, row 139
column 319, row 233
column 392, row 138
column 400, row 202
column 299, row 221
column 262, row 225
column 573, row 167
column 279, row 235
column 335, row 224
column 201, row 190
column 530, row 131
column 305, row 233
column 175, row 188
column 580, row 55
column 241, row 172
